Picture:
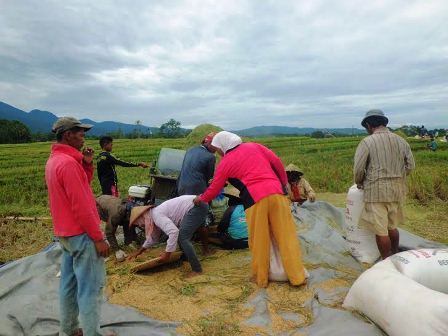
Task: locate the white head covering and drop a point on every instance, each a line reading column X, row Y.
column 225, row 140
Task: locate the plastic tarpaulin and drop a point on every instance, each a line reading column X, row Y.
column 29, row 288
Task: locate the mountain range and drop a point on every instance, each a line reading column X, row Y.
column 41, row 121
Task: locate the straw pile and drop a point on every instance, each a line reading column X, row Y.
column 198, row 133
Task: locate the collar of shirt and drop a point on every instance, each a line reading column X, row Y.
column 381, row 130
column 68, row 150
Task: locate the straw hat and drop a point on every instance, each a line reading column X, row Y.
column 293, row 168
column 231, row 191
column 137, row 211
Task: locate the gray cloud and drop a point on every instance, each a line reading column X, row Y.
column 233, row 63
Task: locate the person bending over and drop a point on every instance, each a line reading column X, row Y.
column 260, row 177
column 113, row 211
column 179, row 219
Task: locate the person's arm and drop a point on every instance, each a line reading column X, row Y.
column 146, row 245
column 223, row 225
column 168, row 227
column 409, row 163
column 87, row 163
column 219, row 180
column 360, row 164
column 137, row 253
column 276, row 165
column 113, row 160
column 210, row 169
column 111, row 229
column 310, row 194
column 81, row 199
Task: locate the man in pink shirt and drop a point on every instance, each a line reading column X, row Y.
column 76, row 223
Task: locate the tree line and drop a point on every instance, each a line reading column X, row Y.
column 14, row 131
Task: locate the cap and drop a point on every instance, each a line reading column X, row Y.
column 65, row 123
column 373, row 113
column 208, row 138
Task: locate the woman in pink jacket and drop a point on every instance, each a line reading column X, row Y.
column 261, row 179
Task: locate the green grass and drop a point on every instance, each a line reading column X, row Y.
column 327, row 164
column 19, row 239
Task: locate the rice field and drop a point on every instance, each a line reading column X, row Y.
column 327, row 164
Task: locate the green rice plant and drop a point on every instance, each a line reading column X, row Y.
column 326, row 163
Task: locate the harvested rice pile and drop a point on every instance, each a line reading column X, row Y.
column 217, row 302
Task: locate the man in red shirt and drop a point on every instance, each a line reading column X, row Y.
column 76, row 223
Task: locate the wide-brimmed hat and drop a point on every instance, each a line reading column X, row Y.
column 231, row 191
column 293, row 168
column 373, row 113
column 65, row 123
column 137, row 211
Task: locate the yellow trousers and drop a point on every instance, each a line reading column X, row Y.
column 272, row 216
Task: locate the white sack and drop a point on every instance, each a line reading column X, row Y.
column 398, row 304
column 361, row 241
column 429, row 267
column 276, row 269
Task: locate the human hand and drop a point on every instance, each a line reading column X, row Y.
column 312, row 198
column 143, row 165
column 197, row 200
column 134, row 255
column 88, row 155
column 164, row 257
column 102, row 248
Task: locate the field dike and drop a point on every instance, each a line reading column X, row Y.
column 223, row 301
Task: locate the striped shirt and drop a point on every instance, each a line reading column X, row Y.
column 382, row 161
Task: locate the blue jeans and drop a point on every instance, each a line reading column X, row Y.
column 194, row 219
column 81, row 286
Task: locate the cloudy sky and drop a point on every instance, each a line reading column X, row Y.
column 236, row 64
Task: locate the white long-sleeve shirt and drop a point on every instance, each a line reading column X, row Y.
column 168, row 217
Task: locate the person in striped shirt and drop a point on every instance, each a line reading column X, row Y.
column 382, row 162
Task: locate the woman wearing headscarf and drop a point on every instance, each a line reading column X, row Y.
column 261, row 179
